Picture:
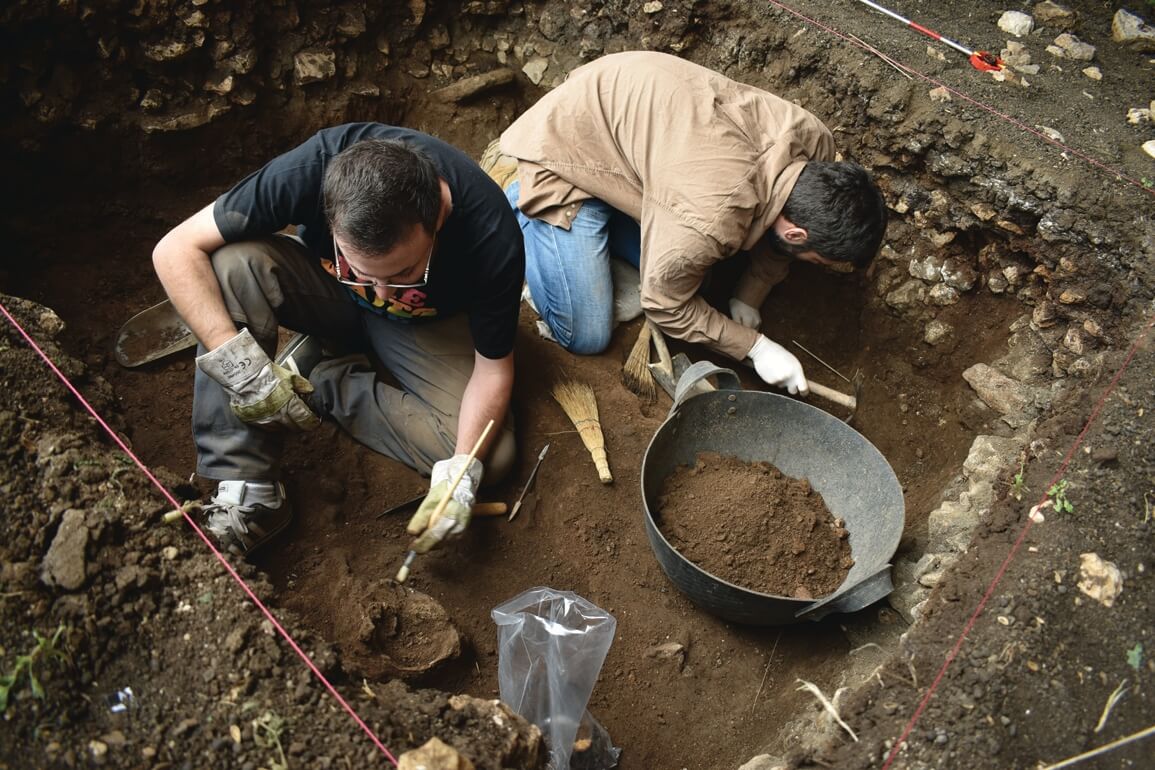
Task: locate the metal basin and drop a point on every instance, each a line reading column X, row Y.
column 802, row 441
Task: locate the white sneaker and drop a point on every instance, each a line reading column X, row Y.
column 627, row 291
column 545, row 332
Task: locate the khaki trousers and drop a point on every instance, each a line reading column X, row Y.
column 275, row 282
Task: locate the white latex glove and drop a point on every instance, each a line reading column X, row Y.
column 777, row 366
column 744, row 314
column 260, row 391
column 455, row 518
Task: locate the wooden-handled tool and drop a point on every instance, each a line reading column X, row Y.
column 403, row 573
column 834, row 396
column 478, row 509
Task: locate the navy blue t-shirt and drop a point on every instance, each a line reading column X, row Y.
column 478, row 266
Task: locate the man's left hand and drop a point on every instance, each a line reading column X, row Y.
column 744, row 314
column 455, row 518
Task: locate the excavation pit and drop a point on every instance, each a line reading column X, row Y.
column 1011, row 283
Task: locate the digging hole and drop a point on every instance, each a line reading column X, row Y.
column 696, row 678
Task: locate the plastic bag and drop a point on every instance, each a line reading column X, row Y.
column 551, row 645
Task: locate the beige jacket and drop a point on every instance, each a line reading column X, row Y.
column 703, row 163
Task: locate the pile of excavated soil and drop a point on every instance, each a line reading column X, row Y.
column 752, row 525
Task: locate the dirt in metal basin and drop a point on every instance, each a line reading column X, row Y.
column 752, row 525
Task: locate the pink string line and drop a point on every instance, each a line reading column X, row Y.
column 981, row 105
column 220, row 557
column 1018, row 543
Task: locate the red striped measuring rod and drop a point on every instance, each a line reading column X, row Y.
column 980, row 60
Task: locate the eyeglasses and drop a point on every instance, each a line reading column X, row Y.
column 338, row 257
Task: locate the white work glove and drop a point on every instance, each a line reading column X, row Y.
column 260, row 391
column 455, row 518
column 777, row 366
column 744, row 314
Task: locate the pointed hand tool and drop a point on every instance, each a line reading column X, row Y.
column 528, row 483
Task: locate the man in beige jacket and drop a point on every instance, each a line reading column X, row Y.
column 674, row 167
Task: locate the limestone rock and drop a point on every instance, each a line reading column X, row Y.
column 1016, row 23
column 1015, row 54
column 1027, row 355
column 1067, row 46
column 763, row 762
column 1132, row 31
column 958, row 274
column 182, row 121
column 65, row 565
column 936, row 332
column 989, row 455
column 1099, row 579
column 1054, row 15
column 1008, row 397
column 313, row 66
column 942, row 295
column 434, row 755
column 534, row 69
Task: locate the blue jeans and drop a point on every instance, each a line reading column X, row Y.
column 568, row 271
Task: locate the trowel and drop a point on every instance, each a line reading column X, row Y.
column 151, row 334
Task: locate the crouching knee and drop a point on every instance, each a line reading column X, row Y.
column 586, row 343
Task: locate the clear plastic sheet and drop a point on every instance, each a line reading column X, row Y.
column 551, row 645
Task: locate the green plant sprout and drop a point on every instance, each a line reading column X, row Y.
column 1058, row 493
column 1135, row 656
column 1018, row 484
column 267, row 730
column 46, row 649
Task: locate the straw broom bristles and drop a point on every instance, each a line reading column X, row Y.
column 636, row 374
column 580, row 405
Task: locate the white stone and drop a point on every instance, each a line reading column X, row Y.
column 1093, row 72
column 936, row 331
column 535, row 68
column 1138, row 115
column 1129, row 29
column 1071, row 47
column 1099, row 579
column 1016, row 23
column 1149, row 147
column 312, row 66
column 652, row 7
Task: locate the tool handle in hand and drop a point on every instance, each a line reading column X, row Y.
column 440, row 509
column 660, row 346
column 835, row 396
column 489, row 509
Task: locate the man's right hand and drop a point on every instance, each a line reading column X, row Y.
column 260, row 391
column 778, row 366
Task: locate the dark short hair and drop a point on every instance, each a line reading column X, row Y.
column 841, row 209
column 376, row 190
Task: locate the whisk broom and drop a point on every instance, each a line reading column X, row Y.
column 636, row 374
column 580, row 405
